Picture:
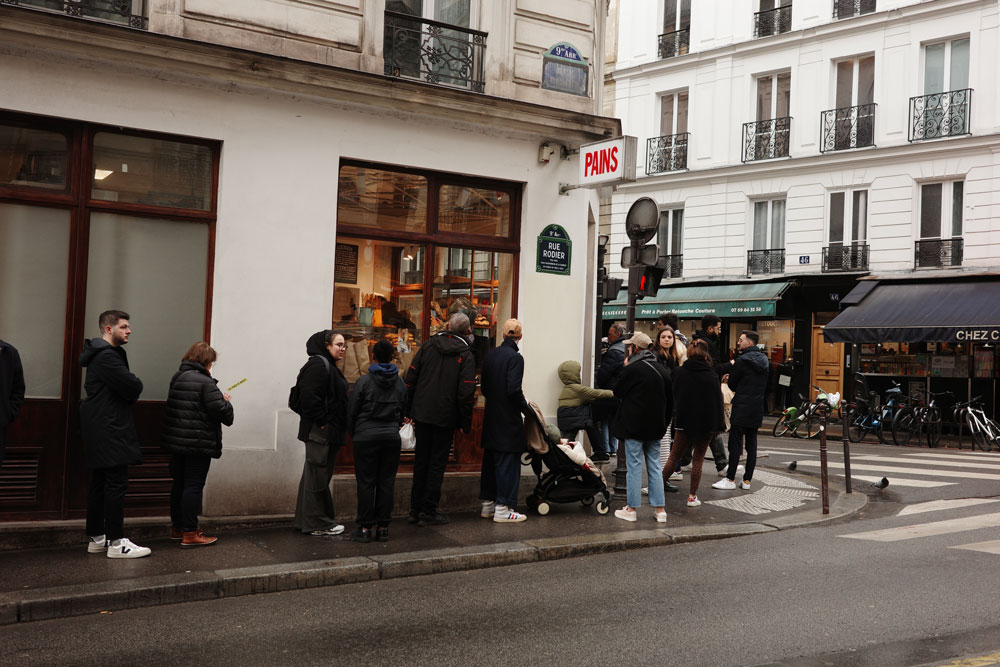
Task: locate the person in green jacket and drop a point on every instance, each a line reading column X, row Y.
column 574, row 409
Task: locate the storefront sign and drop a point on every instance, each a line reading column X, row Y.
column 608, row 162
column 555, row 250
column 985, row 335
column 345, row 264
column 690, row 310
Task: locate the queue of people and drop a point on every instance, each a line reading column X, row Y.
column 661, row 401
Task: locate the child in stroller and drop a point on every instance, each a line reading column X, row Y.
column 566, row 480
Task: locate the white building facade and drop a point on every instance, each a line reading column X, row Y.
column 251, row 173
column 807, row 144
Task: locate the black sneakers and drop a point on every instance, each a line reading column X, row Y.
column 382, row 533
column 362, row 534
column 435, row 519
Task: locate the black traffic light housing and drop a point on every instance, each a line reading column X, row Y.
column 644, row 280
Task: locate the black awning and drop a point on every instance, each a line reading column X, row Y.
column 960, row 311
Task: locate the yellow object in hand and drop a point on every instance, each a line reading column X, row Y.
column 237, row 384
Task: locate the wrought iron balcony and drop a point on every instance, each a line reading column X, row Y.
column 760, row 262
column 676, row 43
column 672, row 265
column 434, row 52
column 669, row 153
column 133, row 13
column 848, row 127
column 840, row 257
column 773, row 21
column 845, row 9
column 766, row 139
column 940, row 115
column 929, row 253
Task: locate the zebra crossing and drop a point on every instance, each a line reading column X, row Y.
column 933, row 527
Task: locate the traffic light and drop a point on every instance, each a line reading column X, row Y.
column 611, row 287
column 644, row 280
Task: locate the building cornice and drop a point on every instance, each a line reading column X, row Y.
column 35, row 33
column 822, row 162
column 804, row 37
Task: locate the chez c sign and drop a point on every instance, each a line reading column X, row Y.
column 608, row 162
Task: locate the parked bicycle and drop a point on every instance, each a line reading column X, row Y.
column 803, row 421
column 960, row 420
column 911, row 420
column 984, row 431
column 861, row 417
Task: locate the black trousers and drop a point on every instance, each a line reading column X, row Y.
column 189, row 472
column 106, row 502
column 738, row 435
column 375, row 465
column 429, row 460
column 500, row 477
column 718, row 452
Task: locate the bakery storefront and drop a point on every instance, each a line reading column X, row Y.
column 413, row 247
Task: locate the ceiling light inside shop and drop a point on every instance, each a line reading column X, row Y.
column 101, row 174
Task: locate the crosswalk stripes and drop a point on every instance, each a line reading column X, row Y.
column 928, row 529
column 939, row 505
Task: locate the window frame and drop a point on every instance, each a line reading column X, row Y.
column 848, row 236
column 947, row 214
column 770, row 245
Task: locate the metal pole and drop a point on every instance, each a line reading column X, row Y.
column 847, row 452
column 621, row 469
column 825, row 482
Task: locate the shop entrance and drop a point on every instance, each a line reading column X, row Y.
column 827, row 367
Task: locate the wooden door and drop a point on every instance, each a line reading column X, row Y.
column 827, row 367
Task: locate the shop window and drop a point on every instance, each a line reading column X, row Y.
column 34, row 263
column 156, row 270
column 155, row 172
column 474, row 211
column 382, row 199
column 33, row 158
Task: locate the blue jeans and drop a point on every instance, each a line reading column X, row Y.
column 635, row 450
column 610, row 441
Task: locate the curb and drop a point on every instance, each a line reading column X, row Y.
column 136, row 593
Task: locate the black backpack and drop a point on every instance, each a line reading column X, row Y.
column 294, row 395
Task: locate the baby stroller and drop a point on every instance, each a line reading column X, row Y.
column 565, row 481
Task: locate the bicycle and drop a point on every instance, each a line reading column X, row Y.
column 985, row 432
column 793, row 418
column 911, row 420
column 959, row 418
column 860, row 419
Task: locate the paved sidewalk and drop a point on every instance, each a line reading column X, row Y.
column 38, row 584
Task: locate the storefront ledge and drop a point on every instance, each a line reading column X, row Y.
column 553, row 548
column 294, row 576
column 845, row 504
column 685, row 534
column 107, row 596
column 8, row 610
column 436, row 561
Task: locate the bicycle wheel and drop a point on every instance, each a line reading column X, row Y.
column 976, row 430
column 880, row 428
column 932, row 426
column 853, row 422
column 904, row 426
column 781, row 426
column 809, row 428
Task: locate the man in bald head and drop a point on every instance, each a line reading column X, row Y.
column 503, row 428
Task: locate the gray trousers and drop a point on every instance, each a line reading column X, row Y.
column 314, row 506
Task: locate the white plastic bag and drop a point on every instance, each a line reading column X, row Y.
column 407, row 438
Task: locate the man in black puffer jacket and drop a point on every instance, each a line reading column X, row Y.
column 110, row 441
column 192, row 433
column 748, row 380
column 441, row 388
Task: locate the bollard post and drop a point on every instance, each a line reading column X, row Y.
column 825, row 482
column 847, row 451
column 621, row 472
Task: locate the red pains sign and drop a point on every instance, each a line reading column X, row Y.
column 606, row 162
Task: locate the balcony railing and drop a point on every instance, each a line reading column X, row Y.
column 848, row 127
column 669, row 153
column 845, row 9
column 773, row 21
column 928, row 253
column 760, row 262
column 766, row 139
column 672, row 265
column 133, row 13
column 434, row 52
column 940, row 115
column 676, row 43
column 840, row 257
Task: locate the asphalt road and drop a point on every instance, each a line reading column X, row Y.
column 809, row 596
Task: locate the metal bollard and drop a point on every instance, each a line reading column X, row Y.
column 825, row 482
column 847, row 452
column 620, row 491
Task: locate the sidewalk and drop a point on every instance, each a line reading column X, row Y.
column 38, row 584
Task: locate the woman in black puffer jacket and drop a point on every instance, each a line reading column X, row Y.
column 192, row 434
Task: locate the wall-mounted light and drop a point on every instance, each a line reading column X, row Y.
column 101, row 174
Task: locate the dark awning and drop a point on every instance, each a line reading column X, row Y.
column 730, row 300
column 945, row 312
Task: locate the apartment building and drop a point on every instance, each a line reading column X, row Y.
column 797, row 148
column 249, row 173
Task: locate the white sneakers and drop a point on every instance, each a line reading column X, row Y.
column 745, row 485
column 661, row 517
column 336, row 530
column 677, row 474
column 97, row 544
column 125, row 548
column 693, row 501
column 724, row 484
column 504, row 514
column 625, row 514
column 489, row 508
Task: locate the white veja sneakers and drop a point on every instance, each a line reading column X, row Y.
column 724, row 484
column 97, row 544
column 125, row 548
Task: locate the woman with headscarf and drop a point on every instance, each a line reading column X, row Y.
column 322, row 406
column 698, row 413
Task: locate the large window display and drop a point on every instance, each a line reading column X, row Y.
column 413, row 248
